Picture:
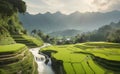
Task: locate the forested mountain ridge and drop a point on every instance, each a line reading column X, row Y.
column 108, row 32
column 51, row 22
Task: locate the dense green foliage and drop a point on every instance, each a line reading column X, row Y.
column 10, row 25
column 18, row 4
column 114, row 36
column 9, row 22
column 44, row 37
column 5, row 8
column 106, row 33
column 87, row 58
column 8, row 7
column 110, row 33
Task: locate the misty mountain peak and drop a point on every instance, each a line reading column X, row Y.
column 76, row 13
column 58, row 12
column 49, row 22
column 47, row 13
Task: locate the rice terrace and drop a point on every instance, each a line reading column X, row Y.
column 86, row 58
column 59, row 36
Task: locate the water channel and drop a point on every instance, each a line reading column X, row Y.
column 40, row 60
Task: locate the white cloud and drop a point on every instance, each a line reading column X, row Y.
column 115, row 5
column 106, row 5
column 69, row 6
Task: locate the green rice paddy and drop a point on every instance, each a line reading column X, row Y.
column 88, row 58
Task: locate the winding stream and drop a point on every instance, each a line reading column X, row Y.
column 40, row 59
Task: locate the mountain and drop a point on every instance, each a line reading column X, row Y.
column 103, row 32
column 49, row 22
column 65, row 33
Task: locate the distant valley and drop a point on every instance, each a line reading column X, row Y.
column 65, row 33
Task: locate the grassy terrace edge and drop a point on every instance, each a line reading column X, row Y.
column 16, row 59
column 11, row 48
column 28, row 40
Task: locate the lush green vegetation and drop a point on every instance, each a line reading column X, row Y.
column 8, row 7
column 9, row 22
column 11, row 48
column 16, row 59
column 7, row 40
column 84, row 58
column 28, row 40
column 11, row 30
column 8, row 26
column 87, row 58
column 110, row 33
column 105, row 50
column 107, row 33
column 36, row 41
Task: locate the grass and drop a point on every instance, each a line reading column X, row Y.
column 87, row 69
column 103, row 44
column 78, row 68
column 104, row 50
column 28, row 40
column 11, row 48
column 97, row 69
column 6, row 40
column 78, row 58
column 68, row 68
column 36, row 41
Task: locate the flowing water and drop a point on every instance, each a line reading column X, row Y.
column 40, row 59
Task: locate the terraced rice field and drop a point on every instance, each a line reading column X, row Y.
column 28, row 40
column 16, row 59
column 87, row 58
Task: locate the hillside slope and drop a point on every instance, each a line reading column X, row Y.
column 16, row 59
column 104, row 32
column 10, row 25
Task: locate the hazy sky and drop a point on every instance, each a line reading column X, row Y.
column 70, row 6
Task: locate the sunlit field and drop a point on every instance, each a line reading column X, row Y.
column 88, row 58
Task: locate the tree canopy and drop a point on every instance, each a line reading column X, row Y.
column 114, row 36
column 7, row 7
